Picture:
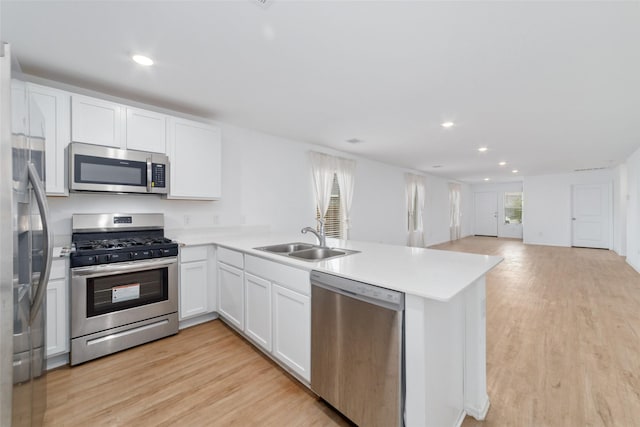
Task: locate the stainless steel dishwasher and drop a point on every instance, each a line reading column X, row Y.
column 357, row 361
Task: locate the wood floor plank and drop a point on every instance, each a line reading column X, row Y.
column 563, row 349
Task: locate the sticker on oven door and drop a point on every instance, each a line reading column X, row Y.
column 125, row 292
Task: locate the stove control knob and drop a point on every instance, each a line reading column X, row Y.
column 107, row 257
column 131, row 255
column 92, row 259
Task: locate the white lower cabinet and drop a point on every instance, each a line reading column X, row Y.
column 258, row 310
column 231, row 294
column 57, row 314
column 292, row 329
column 270, row 304
column 197, row 287
column 193, row 289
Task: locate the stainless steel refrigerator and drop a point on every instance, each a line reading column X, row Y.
column 25, row 259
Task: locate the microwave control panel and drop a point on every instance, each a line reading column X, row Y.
column 158, row 175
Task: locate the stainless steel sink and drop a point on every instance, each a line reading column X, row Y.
column 286, row 247
column 306, row 251
column 317, row 253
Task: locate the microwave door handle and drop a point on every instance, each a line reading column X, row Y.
column 149, row 174
column 41, row 200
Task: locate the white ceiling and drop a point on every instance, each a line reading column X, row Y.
column 547, row 86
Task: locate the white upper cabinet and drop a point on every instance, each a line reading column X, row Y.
column 146, row 131
column 96, row 121
column 194, row 151
column 54, row 106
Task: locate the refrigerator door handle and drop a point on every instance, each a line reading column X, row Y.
column 41, row 200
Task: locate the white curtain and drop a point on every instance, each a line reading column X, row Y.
column 345, row 170
column 322, row 168
column 414, row 191
column 454, row 211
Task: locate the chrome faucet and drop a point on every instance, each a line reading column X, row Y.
column 322, row 238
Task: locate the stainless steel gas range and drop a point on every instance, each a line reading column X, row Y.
column 124, row 283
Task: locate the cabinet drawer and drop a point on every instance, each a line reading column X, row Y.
column 230, row 257
column 289, row 277
column 193, row 253
column 58, row 269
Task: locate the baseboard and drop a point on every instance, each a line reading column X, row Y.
column 57, row 361
column 479, row 413
column 197, row 320
column 460, row 419
column 632, row 264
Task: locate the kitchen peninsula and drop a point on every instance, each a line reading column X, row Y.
column 445, row 317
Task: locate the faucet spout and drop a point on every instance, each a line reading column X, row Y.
column 322, row 239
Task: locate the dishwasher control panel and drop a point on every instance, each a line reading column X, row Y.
column 358, row 289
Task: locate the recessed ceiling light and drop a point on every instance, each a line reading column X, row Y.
column 487, row 179
column 482, row 149
column 142, row 60
column 502, row 163
column 447, row 124
column 515, row 171
column 354, row 141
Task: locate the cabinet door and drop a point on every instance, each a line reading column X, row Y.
column 194, row 156
column 96, row 121
column 146, row 131
column 292, row 329
column 57, row 327
column 258, row 310
column 193, row 289
column 231, row 294
column 54, row 106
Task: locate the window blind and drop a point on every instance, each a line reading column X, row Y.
column 333, row 223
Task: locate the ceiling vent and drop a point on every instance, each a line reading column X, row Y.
column 262, row 2
column 354, row 141
column 589, row 169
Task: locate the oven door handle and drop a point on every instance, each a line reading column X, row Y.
column 122, row 267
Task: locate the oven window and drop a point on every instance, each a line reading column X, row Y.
column 128, row 290
column 100, row 170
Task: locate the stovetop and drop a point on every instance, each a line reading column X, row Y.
column 125, row 242
column 106, row 248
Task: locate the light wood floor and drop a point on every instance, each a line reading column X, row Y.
column 204, row 376
column 563, row 349
column 563, row 336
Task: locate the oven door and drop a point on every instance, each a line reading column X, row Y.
column 111, row 295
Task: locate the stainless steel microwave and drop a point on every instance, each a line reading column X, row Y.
column 99, row 168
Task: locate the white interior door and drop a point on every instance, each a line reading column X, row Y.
column 486, row 207
column 590, row 216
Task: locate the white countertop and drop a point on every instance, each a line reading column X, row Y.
column 427, row 273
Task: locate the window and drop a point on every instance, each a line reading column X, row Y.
column 513, row 208
column 333, row 218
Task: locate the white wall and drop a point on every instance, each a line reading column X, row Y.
column 620, row 202
column 437, row 210
column 633, row 210
column 504, row 230
column 547, row 211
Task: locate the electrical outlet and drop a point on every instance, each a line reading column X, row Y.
column 216, row 220
column 187, row 220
